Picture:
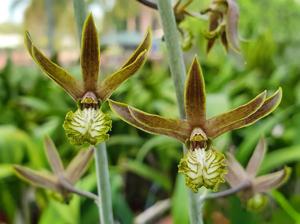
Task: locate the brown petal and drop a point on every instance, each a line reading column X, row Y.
column 271, row 181
column 214, row 18
column 137, row 59
column 256, row 158
column 58, row 74
column 232, row 18
column 53, row 156
column 269, row 105
column 78, row 165
column 224, row 41
column 37, row 178
column 144, row 46
column 28, row 42
column 122, row 110
column 218, row 122
column 90, row 55
column 236, row 173
column 195, row 96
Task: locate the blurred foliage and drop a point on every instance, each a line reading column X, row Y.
column 144, row 167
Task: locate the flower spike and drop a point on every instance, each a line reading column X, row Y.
column 197, row 132
column 88, row 124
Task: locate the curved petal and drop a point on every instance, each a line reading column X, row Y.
column 195, row 96
column 136, row 60
column 271, row 181
column 55, row 72
column 236, row 173
column 231, row 27
column 123, row 111
column 236, row 114
column 269, row 105
column 90, row 55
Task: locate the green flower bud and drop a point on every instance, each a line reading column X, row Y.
column 257, row 203
column 88, row 125
column 203, row 167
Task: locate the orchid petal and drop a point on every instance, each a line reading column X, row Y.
column 195, row 96
column 126, row 114
column 53, row 156
column 90, row 55
column 256, row 158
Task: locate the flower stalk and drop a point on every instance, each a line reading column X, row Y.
column 177, row 67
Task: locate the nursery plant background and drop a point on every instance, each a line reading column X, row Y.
column 143, row 167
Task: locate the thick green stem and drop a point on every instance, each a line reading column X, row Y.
column 101, row 162
column 103, row 185
column 178, row 71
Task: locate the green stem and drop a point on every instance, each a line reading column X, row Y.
column 101, row 162
column 103, row 185
column 178, row 71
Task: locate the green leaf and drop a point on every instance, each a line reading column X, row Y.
column 147, row 172
column 280, row 157
column 180, row 204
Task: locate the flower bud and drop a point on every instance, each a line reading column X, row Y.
column 203, row 167
column 87, row 125
column 257, row 203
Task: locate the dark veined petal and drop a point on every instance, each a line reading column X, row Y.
column 236, row 114
column 269, row 105
column 236, row 173
column 231, row 27
column 271, row 181
column 90, row 55
column 37, row 178
column 195, row 105
column 79, row 164
column 53, row 157
column 135, row 61
column 55, row 72
column 126, row 114
column 256, row 158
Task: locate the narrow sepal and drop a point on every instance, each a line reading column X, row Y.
column 135, row 61
column 58, row 74
column 37, row 178
column 79, row 164
column 215, row 123
column 28, row 42
column 271, row 181
column 53, row 156
column 90, row 55
column 87, row 125
column 122, row 110
column 236, row 173
column 195, row 105
column 231, row 28
column 269, row 105
column 256, row 158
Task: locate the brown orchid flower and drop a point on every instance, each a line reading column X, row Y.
column 255, row 188
column 61, row 180
column 89, row 124
column 223, row 23
column 202, row 164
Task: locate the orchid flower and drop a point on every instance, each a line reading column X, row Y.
column 202, row 165
column 61, row 180
column 88, row 124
